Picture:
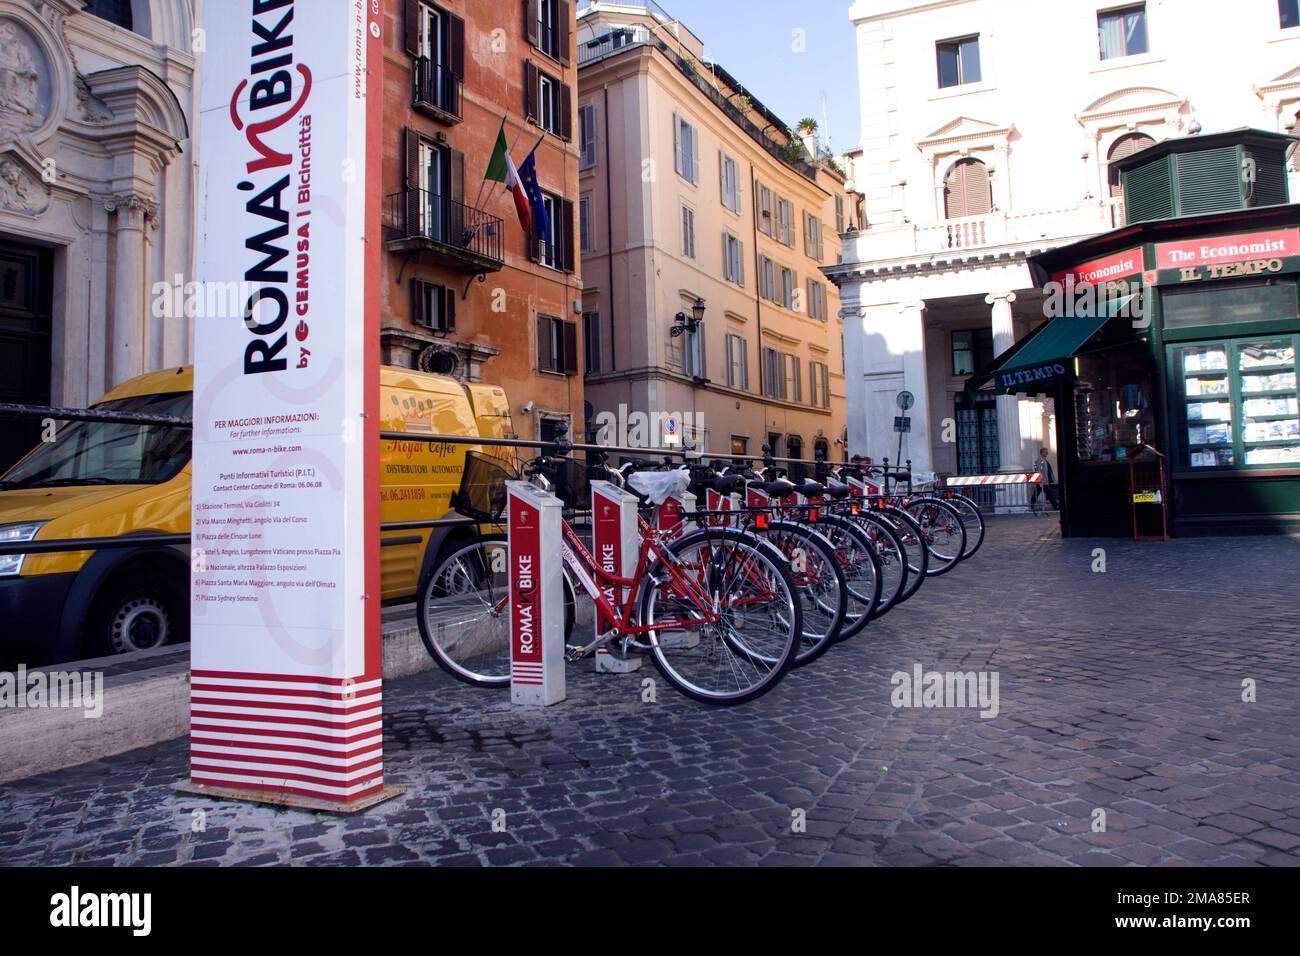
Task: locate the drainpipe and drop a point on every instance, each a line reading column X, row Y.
column 758, row 287
column 609, row 232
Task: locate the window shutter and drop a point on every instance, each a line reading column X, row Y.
column 677, row 145
column 449, row 309
column 726, row 260
column 566, row 112
column 562, row 31
column 530, row 22
column 731, row 360
column 418, row 313
column 457, row 176
column 695, row 155
column 740, row 262
column 412, row 27
column 722, row 178
column 566, row 234
column 414, row 201
column 530, row 90
column 744, row 364
column 456, row 40
column 570, row 333
column 544, row 358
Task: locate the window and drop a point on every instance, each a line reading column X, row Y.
column 557, row 345
column 785, row 222
column 788, row 283
column 433, row 306
column 959, row 61
column 812, row 237
column 114, row 11
column 730, row 179
column 739, row 445
column 584, row 224
column 781, row 376
column 793, row 378
column 1125, row 146
column 1288, row 13
column 1229, row 303
column 548, row 102
column 436, row 39
column 591, row 341
column 554, row 248
column 839, row 215
column 685, row 150
column 693, row 353
column 586, row 137
column 1122, row 32
column 765, row 210
column 966, row 189
column 819, row 384
column 548, row 27
column 733, row 263
column 767, row 279
column 737, row 362
column 816, row 300
column 688, row 232
column 971, row 349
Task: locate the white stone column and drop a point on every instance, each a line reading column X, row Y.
column 916, row 379
column 127, row 348
column 1004, row 336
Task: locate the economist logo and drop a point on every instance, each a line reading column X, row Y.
column 269, row 108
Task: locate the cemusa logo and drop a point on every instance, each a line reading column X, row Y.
column 273, row 102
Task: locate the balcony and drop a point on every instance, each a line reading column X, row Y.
column 972, row 235
column 436, row 91
column 441, row 231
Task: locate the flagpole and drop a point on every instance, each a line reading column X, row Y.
column 485, row 181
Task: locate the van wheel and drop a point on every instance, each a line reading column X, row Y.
column 139, row 622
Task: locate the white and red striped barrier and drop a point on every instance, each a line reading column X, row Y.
column 1028, row 478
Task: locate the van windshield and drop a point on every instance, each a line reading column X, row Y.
column 97, row 453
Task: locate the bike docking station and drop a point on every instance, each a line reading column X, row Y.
column 615, row 539
column 536, row 549
column 717, row 501
column 675, row 512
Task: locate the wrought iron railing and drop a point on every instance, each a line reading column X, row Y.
column 421, row 214
column 436, row 86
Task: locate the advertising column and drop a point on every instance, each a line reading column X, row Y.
column 286, row 661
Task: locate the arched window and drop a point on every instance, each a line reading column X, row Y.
column 1126, row 145
column 1293, row 129
column 114, row 11
column 966, row 189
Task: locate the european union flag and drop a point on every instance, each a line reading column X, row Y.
column 528, row 176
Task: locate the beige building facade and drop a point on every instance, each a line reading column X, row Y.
column 693, row 198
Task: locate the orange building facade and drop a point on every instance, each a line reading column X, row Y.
column 466, row 291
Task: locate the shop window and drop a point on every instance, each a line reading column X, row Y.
column 971, row 349
column 1288, row 13
column 1237, row 403
column 1229, row 303
column 1113, row 408
column 1122, row 32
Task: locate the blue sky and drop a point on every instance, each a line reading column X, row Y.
column 754, row 40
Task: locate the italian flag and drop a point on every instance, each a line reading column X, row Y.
column 501, row 169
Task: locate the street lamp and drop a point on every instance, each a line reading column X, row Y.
column 689, row 323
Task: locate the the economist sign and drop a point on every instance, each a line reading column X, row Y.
column 1187, row 254
column 1112, row 268
column 285, row 596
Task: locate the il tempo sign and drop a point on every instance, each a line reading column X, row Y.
column 286, row 659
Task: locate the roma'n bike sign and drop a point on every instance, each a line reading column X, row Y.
column 285, row 653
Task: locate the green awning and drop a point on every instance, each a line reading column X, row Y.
column 1046, row 357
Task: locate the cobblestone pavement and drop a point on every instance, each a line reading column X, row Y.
column 1119, row 691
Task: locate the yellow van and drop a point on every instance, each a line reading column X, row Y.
column 106, row 480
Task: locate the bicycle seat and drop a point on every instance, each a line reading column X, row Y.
column 725, row 484
column 836, row 490
column 811, row 489
column 777, row 489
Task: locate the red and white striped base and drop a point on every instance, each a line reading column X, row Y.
column 524, row 672
column 1029, row 478
column 310, row 736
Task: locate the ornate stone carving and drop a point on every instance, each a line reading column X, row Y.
column 20, row 192
column 90, row 108
column 24, row 82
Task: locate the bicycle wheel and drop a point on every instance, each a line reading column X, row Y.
column 945, row 534
column 857, row 558
column 915, row 554
column 463, row 613
column 822, row 588
column 973, row 519
column 760, row 622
